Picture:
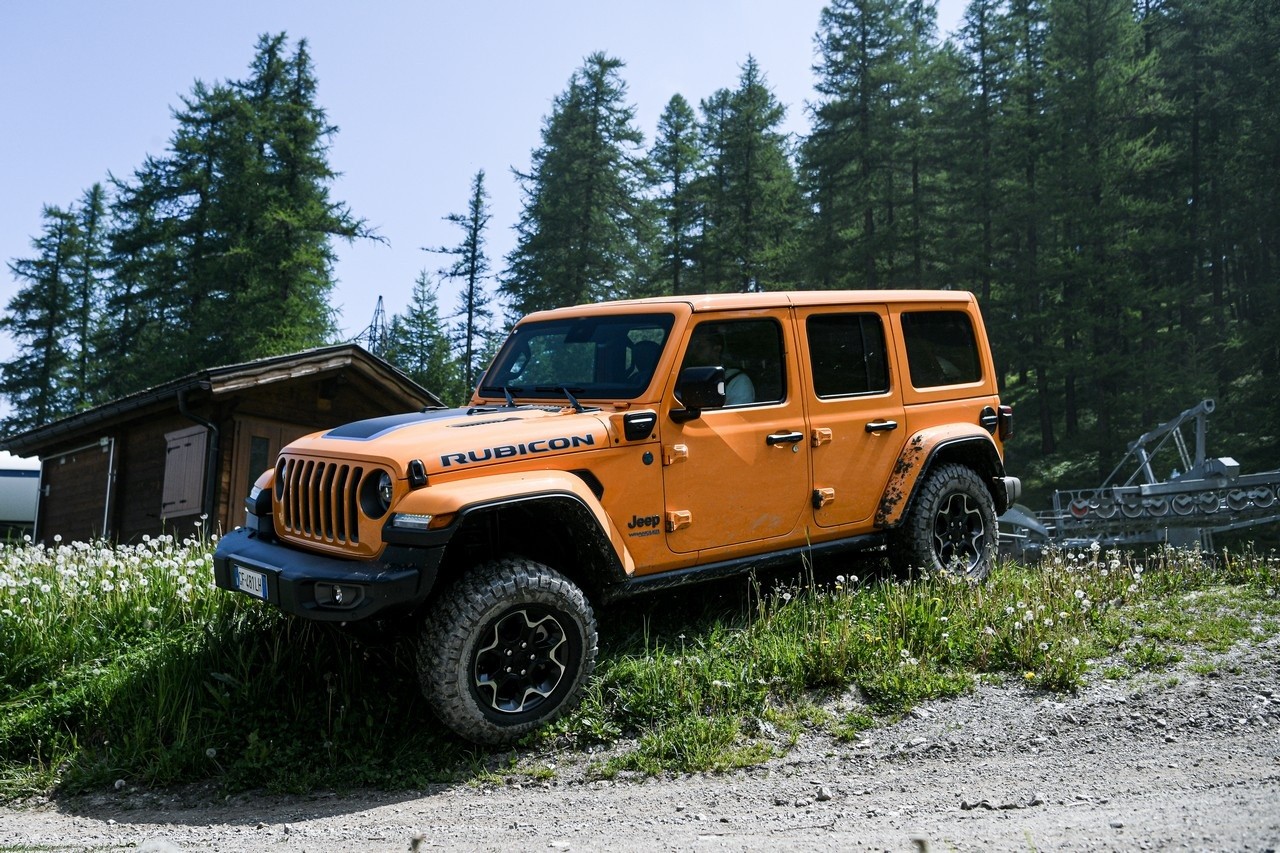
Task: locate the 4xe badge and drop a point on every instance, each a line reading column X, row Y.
column 644, row 525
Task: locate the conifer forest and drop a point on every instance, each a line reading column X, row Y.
column 1103, row 174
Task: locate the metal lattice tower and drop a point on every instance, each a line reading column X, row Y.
column 374, row 337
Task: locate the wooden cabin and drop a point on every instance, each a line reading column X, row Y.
column 182, row 456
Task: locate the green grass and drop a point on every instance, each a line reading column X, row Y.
column 124, row 663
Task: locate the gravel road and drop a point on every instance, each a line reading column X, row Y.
column 1180, row 760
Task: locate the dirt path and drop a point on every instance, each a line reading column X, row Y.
column 1180, row 760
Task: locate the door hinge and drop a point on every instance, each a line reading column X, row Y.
column 820, row 436
column 673, row 453
column 678, row 518
column 822, row 497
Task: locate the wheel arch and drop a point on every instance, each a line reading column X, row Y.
column 557, row 529
column 930, row 449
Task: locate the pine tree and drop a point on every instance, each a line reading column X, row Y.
column 576, row 240
column 1097, row 83
column 87, row 279
column 1221, row 75
column 851, row 163
column 748, row 193
column 418, row 343
column 470, row 269
column 41, row 318
column 292, row 219
column 1022, row 146
column 234, row 221
column 675, row 159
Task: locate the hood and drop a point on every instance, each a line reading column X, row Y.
column 449, row 440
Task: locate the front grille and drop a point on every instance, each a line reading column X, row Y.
column 319, row 500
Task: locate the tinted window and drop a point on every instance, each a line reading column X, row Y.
column 847, row 354
column 750, row 352
column 941, row 349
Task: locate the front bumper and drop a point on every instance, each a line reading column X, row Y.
column 327, row 589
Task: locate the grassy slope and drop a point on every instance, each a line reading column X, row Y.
column 126, row 663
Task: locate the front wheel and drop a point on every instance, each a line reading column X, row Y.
column 506, row 649
column 950, row 527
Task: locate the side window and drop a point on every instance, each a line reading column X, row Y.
column 941, row 348
column 750, row 352
column 847, row 354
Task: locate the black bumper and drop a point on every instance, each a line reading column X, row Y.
column 328, row 589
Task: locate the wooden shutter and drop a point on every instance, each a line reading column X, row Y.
column 184, row 472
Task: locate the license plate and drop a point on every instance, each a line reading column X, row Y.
column 254, row 583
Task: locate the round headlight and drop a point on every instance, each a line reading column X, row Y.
column 376, row 492
column 385, row 487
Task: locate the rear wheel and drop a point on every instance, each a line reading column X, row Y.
column 950, row 527
column 506, row 649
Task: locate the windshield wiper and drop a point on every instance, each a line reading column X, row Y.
column 506, row 392
column 567, row 392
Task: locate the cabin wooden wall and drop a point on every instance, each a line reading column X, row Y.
column 78, row 481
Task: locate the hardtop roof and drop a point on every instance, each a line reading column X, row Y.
column 707, row 302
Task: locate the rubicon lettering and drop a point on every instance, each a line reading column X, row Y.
column 508, row 451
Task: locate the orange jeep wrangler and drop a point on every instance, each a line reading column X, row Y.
column 630, row 446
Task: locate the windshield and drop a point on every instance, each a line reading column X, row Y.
column 611, row 357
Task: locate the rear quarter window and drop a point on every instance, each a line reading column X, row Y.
column 941, row 348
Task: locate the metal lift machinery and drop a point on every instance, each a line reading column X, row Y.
column 1203, row 497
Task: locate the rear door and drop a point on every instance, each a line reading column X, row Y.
column 857, row 422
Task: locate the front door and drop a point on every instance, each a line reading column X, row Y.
column 738, row 474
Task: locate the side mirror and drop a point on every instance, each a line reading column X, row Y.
column 698, row 388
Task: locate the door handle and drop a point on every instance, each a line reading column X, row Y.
column 784, row 438
column 881, row 426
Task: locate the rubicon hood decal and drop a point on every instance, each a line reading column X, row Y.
column 510, row 451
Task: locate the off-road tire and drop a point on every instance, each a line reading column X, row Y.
column 950, row 526
column 506, row 649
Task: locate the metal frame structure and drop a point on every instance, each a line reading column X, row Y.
column 1209, row 495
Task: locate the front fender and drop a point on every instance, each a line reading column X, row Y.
column 455, row 500
column 967, row 440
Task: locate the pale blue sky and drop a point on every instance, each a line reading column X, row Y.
column 424, row 93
